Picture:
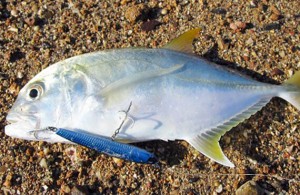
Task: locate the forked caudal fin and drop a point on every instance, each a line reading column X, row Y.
column 292, row 92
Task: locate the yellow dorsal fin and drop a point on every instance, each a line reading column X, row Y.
column 184, row 42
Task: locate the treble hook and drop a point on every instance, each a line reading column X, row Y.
column 117, row 131
column 37, row 131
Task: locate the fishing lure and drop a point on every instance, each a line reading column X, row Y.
column 104, row 145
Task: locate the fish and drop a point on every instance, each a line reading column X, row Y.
column 142, row 94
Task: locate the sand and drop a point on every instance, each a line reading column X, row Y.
column 257, row 38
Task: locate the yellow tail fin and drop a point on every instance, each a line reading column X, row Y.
column 294, row 80
column 292, row 93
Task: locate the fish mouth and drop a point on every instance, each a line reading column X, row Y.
column 20, row 125
column 28, row 127
column 13, row 118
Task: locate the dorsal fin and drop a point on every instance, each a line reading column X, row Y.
column 184, row 42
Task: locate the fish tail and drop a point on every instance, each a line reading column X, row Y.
column 292, row 90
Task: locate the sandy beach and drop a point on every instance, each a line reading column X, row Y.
column 260, row 39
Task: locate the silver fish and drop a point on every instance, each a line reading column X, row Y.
column 173, row 94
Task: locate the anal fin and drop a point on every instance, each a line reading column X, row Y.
column 208, row 142
column 210, row 148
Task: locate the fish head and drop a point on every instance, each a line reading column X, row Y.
column 40, row 104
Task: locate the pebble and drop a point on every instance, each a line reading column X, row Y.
column 253, row 53
column 282, row 54
column 29, row 151
column 164, row 11
column 79, row 190
column 237, row 26
column 119, row 162
column 272, row 26
column 249, row 42
column 8, row 178
column 253, row 3
column 123, row 2
column 150, row 25
column 219, row 10
column 276, row 72
column 46, row 151
column 6, row 84
column 222, row 45
column 274, row 17
column 193, row 179
column 43, row 163
column 274, row 10
column 30, row 21
column 132, row 13
column 249, row 188
column 176, row 183
column 19, row 75
column 34, row 8
column 14, row 88
column 65, row 188
column 219, row 189
column 45, row 188
column 13, row 29
column 184, row 2
column 227, row 139
column 3, row 168
column 46, row 14
column 289, row 149
column 72, row 154
column 252, row 161
column 14, row 13
column 36, row 28
column 134, row 185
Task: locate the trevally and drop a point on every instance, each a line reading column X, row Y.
column 172, row 95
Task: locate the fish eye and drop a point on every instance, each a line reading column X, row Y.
column 35, row 92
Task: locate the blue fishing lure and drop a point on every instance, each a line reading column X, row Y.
column 107, row 146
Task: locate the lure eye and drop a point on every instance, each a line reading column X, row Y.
column 35, row 92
